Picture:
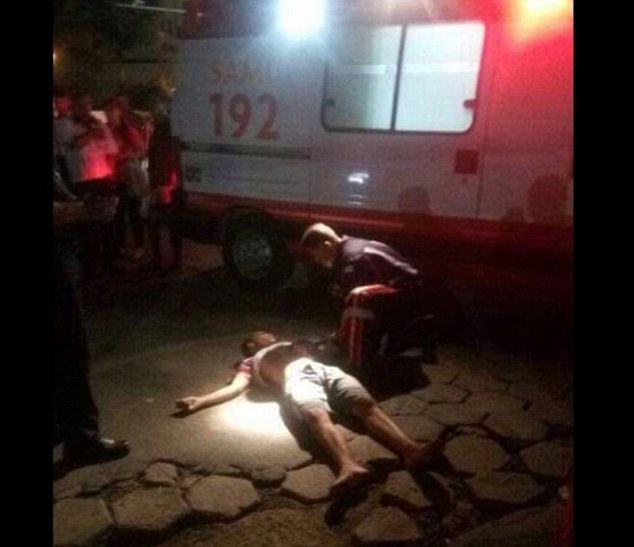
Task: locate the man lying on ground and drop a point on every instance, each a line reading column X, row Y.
column 315, row 392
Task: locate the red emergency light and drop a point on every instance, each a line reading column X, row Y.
column 540, row 18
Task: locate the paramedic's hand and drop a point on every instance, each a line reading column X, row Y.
column 188, row 404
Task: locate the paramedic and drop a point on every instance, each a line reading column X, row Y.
column 382, row 294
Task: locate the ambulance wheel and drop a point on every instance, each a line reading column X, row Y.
column 255, row 254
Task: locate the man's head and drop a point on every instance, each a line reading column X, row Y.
column 256, row 341
column 320, row 243
column 63, row 105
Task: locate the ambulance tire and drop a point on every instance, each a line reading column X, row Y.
column 255, row 254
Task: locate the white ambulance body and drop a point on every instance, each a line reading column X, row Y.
column 441, row 128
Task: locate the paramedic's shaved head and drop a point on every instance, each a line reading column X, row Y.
column 320, row 243
column 317, row 234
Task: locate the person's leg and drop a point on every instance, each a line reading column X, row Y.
column 383, row 429
column 75, row 412
column 155, row 223
column 75, row 409
column 409, row 323
column 346, row 395
column 349, row 472
column 137, row 223
column 362, row 325
column 175, row 227
column 121, row 219
column 304, row 390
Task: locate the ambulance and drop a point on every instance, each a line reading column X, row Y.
column 442, row 127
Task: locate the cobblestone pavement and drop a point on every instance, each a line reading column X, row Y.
column 504, row 478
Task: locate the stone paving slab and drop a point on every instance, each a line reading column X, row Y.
column 78, row 522
column 505, row 487
column 511, row 370
column 495, row 402
column 222, row 498
column 90, row 479
column 368, row 452
column 534, row 391
column 534, row 527
column 403, row 491
column 548, row 458
column 150, row 511
column 555, row 413
column 441, row 393
column 161, row 474
column 473, row 430
column 270, row 476
column 310, row 484
column 518, row 426
column 404, row 404
column 278, row 528
column 441, row 373
column 420, row 428
column 453, row 415
column 473, row 454
column 387, row 525
column 480, row 381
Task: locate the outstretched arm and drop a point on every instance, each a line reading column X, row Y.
column 238, row 385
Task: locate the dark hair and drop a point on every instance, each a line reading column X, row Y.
column 250, row 345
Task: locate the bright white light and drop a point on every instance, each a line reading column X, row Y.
column 358, row 178
column 301, row 17
column 250, row 417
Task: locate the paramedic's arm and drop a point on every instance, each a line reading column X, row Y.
column 358, row 273
column 238, row 385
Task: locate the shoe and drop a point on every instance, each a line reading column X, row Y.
column 96, row 450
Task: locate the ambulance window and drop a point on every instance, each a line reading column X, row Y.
column 439, row 72
column 361, row 77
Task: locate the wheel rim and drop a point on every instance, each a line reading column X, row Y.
column 252, row 254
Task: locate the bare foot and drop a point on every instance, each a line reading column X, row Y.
column 419, row 455
column 349, row 478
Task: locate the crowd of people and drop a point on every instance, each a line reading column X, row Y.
column 110, row 176
column 124, row 154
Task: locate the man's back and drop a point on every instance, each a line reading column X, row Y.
column 365, row 262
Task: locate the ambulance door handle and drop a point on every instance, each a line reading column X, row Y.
column 469, row 103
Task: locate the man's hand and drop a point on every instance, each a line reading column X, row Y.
column 188, row 404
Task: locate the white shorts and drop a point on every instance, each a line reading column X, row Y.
column 309, row 384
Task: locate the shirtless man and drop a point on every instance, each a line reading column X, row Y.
column 315, row 392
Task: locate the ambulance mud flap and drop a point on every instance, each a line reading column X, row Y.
column 255, row 253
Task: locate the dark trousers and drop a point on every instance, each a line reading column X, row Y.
column 129, row 211
column 75, row 414
column 166, row 216
column 379, row 320
column 100, row 248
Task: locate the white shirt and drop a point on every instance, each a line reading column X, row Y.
column 91, row 161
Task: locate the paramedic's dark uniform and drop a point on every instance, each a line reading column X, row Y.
column 383, row 299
